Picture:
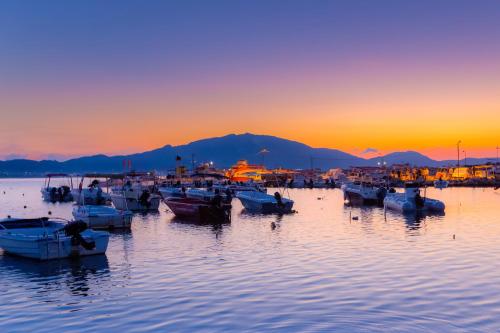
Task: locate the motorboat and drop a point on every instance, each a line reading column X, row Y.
column 198, row 209
column 102, row 217
column 172, row 192
column 58, row 193
column 135, row 197
column 44, row 238
column 258, row 202
column 411, row 201
column 235, row 188
column 207, row 194
column 364, row 192
column 440, row 184
column 90, row 195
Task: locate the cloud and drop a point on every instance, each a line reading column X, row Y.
column 369, row 151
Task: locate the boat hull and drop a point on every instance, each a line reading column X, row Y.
column 198, row 210
column 262, row 203
column 46, row 248
column 107, row 219
column 398, row 202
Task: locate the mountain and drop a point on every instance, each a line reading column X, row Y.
column 410, row 157
column 223, row 151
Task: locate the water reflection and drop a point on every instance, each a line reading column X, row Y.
column 75, row 273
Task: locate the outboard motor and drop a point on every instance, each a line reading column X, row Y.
column 279, row 200
column 381, row 193
column 53, row 194
column 419, row 201
column 74, row 229
column 412, row 193
column 144, row 198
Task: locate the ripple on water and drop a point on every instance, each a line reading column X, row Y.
column 314, row 271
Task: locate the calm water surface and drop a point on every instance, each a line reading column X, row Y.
column 315, row 271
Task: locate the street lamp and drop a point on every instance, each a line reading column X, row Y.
column 465, row 159
column 458, row 158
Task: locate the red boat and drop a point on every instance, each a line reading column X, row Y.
column 201, row 210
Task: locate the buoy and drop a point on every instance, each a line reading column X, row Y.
column 355, row 218
column 25, row 206
column 50, row 213
column 273, row 225
column 453, row 236
column 8, row 216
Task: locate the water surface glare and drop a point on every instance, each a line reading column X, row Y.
column 314, row 271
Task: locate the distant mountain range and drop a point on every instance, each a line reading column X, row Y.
column 223, row 152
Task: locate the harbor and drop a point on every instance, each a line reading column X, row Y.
column 329, row 266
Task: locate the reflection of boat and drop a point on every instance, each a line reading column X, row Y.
column 102, row 217
column 440, row 183
column 60, row 193
column 199, row 209
column 94, row 265
column 45, row 239
column 364, row 192
column 259, row 202
column 411, row 201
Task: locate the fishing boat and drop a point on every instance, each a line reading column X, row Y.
column 103, row 217
column 440, row 183
column 200, row 210
column 258, row 202
column 411, row 201
column 363, row 192
column 60, row 193
column 44, row 238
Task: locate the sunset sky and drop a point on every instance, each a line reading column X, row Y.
column 86, row 77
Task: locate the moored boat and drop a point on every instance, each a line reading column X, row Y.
column 207, row 194
column 440, row 184
column 103, row 217
column 44, row 239
column 201, row 210
column 411, row 201
column 93, row 194
column 61, row 193
column 135, row 197
column 258, row 202
column 363, row 192
column 172, row 192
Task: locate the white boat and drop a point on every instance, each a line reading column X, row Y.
column 90, row 195
column 235, row 188
column 135, row 198
column 172, row 192
column 58, row 193
column 264, row 203
column 364, row 192
column 205, row 194
column 411, row 201
column 45, row 239
column 102, row 217
column 440, row 183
